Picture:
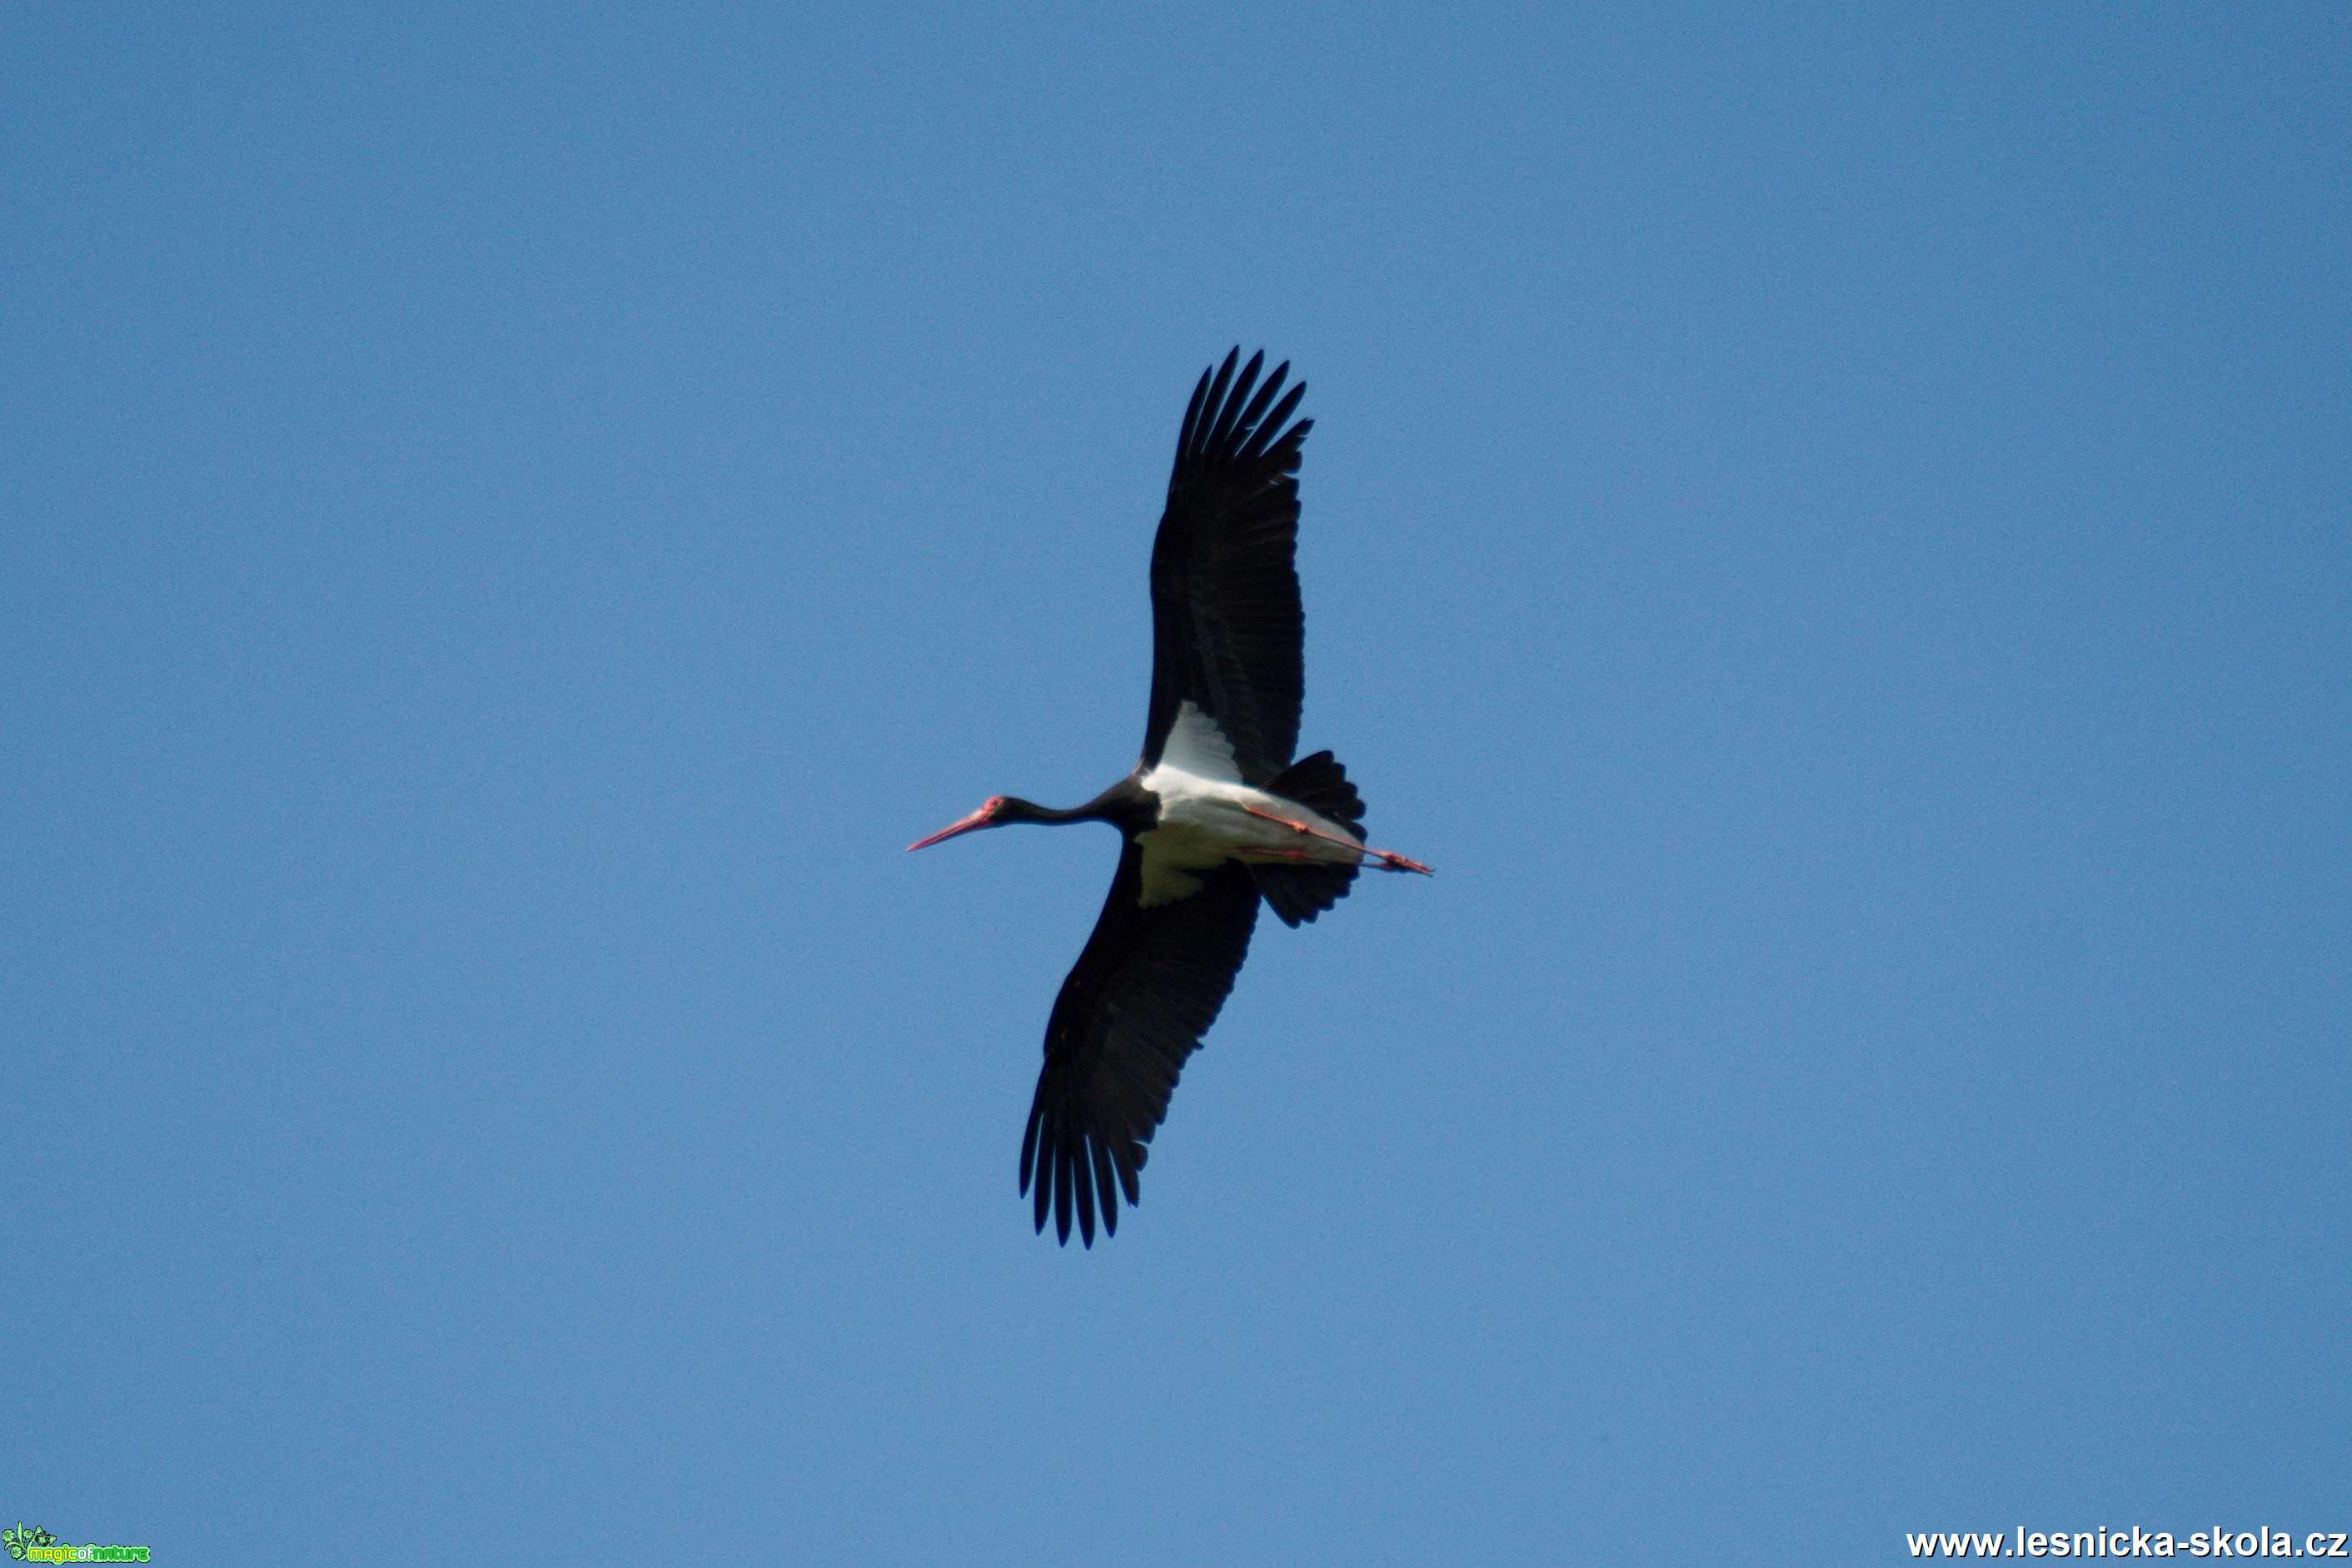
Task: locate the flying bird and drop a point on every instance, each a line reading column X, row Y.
column 1216, row 817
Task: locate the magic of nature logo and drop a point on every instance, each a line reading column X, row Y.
column 28, row 1544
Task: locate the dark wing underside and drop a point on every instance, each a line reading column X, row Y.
column 1145, row 991
column 1226, row 630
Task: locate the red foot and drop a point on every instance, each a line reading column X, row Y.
column 1388, row 859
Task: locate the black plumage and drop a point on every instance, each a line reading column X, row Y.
column 1229, row 636
column 1144, row 991
column 1227, row 639
column 1226, row 628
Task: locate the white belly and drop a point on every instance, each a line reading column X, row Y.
column 1205, row 823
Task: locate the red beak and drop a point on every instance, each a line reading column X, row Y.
column 983, row 818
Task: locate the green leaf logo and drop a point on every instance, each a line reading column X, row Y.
column 21, row 1540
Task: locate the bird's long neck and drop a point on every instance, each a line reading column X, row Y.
column 1121, row 805
column 1016, row 809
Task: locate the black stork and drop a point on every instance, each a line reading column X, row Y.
column 1215, row 817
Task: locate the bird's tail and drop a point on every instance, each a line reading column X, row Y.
column 1300, row 892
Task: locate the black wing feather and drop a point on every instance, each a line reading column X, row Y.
column 1227, row 630
column 1147, row 987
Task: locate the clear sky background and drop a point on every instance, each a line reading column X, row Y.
column 1827, row 527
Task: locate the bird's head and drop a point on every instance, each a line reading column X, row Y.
column 994, row 811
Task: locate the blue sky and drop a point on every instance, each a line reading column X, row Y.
column 1827, row 528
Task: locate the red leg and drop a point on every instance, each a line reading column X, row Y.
column 1388, row 859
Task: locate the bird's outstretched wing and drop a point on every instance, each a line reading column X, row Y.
column 1226, row 632
column 1146, row 990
